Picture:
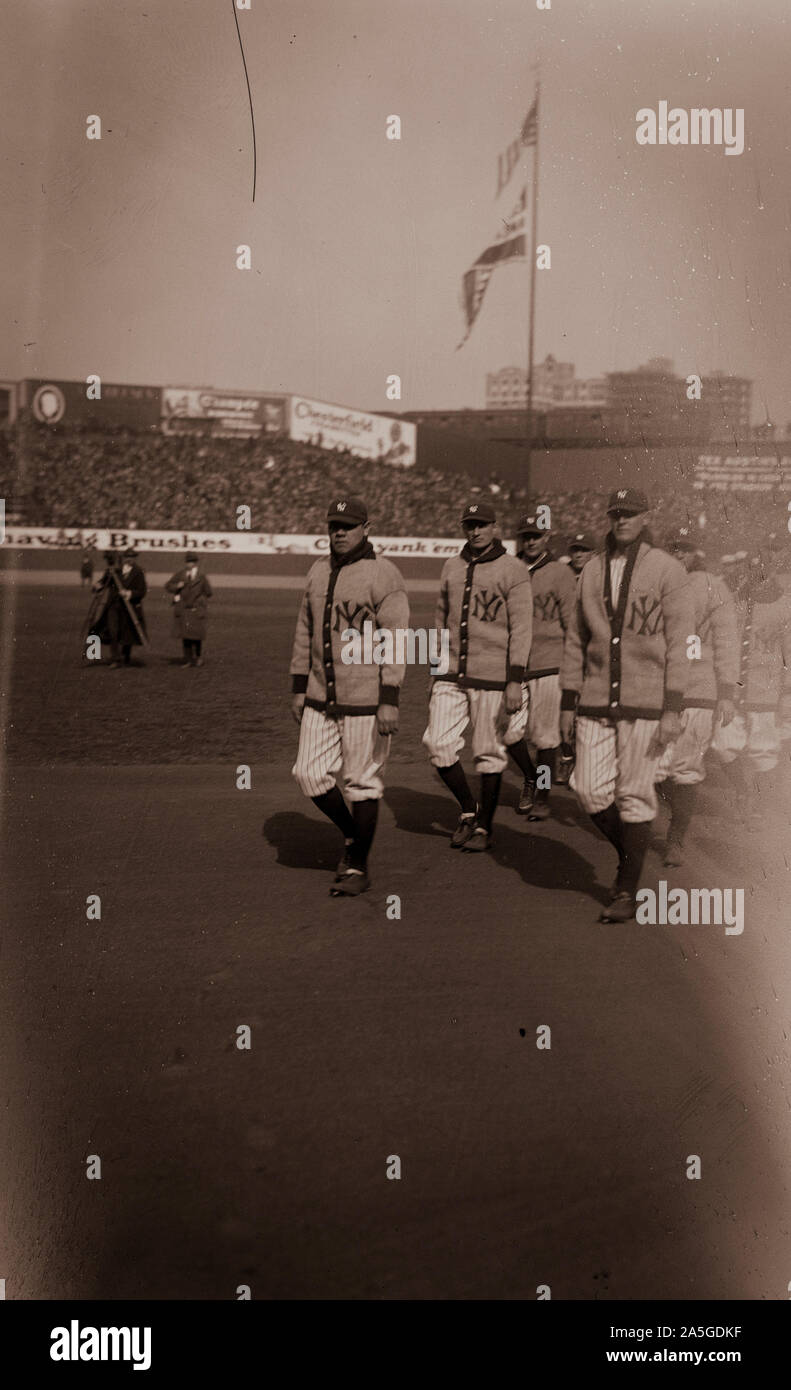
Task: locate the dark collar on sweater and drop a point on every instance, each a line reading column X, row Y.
column 543, row 559
column 363, row 551
column 492, row 552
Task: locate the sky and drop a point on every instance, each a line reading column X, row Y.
column 119, row 254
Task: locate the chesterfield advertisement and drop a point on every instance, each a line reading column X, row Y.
column 379, row 437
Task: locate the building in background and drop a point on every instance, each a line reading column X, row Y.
column 730, row 402
column 554, row 384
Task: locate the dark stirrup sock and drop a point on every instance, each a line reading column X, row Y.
column 521, row 756
column 610, row 824
column 364, row 815
column 635, row 836
column 547, row 757
column 332, row 804
column 455, row 780
column 682, row 797
column 490, row 795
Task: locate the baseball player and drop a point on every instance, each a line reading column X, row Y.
column 347, row 711
column 708, row 702
column 486, row 604
column 554, row 594
column 763, row 689
column 580, row 548
column 624, row 671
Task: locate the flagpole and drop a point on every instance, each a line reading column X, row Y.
column 532, row 310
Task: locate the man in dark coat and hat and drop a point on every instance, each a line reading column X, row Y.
column 122, row 622
column 191, row 593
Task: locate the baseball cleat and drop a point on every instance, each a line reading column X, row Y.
column 526, row 798
column 565, row 769
column 479, row 841
column 463, row 830
column 621, row 909
column 539, row 810
column 350, row 884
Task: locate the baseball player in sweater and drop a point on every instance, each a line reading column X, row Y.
column 347, row 711
column 624, row 671
column 763, row 689
column 486, row 604
column 713, row 655
column 580, row 547
column 554, row 595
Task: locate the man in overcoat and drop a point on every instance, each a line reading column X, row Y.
column 191, row 592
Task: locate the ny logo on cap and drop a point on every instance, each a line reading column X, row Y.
column 473, row 509
column 340, row 506
column 622, row 492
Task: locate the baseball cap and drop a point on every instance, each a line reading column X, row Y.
column 582, row 541
column 529, row 526
column 628, row 499
column 479, row 511
column 681, row 539
column 350, row 510
column 191, row 555
column 130, row 553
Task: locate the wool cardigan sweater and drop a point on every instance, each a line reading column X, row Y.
column 764, row 623
column 486, row 603
column 554, row 597
column 629, row 661
column 340, row 594
column 714, row 674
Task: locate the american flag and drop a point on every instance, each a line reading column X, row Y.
column 507, row 162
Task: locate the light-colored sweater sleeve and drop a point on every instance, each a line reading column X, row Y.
column 678, row 612
column 392, row 613
column 724, row 639
column 519, row 601
column 299, row 669
column 575, row 641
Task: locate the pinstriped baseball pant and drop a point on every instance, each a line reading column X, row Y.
column 349, row 750
column 538, row 720
column 682, row 761
column 450, row 710
column 613, row 766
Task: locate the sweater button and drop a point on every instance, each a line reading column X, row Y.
column 615, row 641
column 614, row 704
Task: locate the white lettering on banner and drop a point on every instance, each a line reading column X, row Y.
column 737, row 474
column 217, row 542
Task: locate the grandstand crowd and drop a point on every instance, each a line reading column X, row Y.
column 81, row 478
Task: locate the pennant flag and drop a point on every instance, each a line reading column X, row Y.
column 510, row 244
column 507, row 162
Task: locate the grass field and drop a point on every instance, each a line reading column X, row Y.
column 371, row 1036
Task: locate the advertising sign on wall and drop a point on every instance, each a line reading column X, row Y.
column 186, row 409
column 379, row 437
column 119, row 406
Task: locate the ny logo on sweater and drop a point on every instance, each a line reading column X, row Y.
column 486, row 606
column 646, row 616
column 546, row 607
column 351, row 615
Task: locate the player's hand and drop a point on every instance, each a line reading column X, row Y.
column 387, row 719
column 127, row 593
column 668, row 730
column 297, row 706
column 724, row 712
column 513, row 697
column 567, row 717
